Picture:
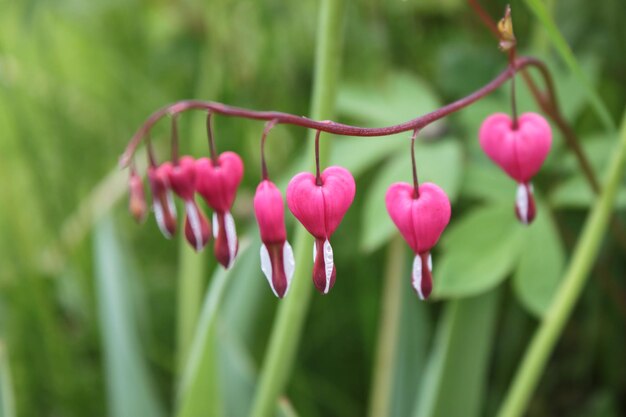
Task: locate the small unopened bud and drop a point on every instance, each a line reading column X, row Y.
column 505, row 27
column 137, row 198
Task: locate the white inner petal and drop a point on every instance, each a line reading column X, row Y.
column 266, row 267
column 231, row 237
column 416, row 276
column 328, row 264
column 430, row 262
column 216, row 225
column 521, row 202
column 314, row 251
column 194, row 221
column 289, row 263
column 170, row 203
column 158, row 213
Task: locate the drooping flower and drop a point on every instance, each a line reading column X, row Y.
column 421, row 219
column 137, row 198
column 320, row 209
column 277, row 262
column 182, row 177
column 520, row 152
column 218, row 183
column 162, row 200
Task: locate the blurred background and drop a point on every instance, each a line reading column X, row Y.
column 98, row 315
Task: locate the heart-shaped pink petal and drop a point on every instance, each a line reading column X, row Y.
column 182, row 177
column 320, row 208
column 519, row 152
column 218, row 183
column 420, row 220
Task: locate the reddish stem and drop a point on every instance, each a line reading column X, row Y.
column 268, row 126
column 416, row 191
column 485, row 17
column 513, row 97
column 151, row 158
column 209, row 131
column 326, row 126
column 175, row 139
column 318, row 177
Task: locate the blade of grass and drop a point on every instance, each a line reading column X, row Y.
column 386, row 346
column 560, row 44
column 130, row 391
column 454, row 382
column 191, row 269
column 7, row 401
column 585, row 253
column 292, row 311
column 198, row 392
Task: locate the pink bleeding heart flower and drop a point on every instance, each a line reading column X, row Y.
column 162, row 200
column 137, row 198
column 421, row 220
column 277, row 262
column 218, row 183
column 320, row 209
column 182, row 178
column 520, row 152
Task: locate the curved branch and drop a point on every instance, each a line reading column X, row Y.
column 325, row 126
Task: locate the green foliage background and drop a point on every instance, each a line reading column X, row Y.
column 90, row 303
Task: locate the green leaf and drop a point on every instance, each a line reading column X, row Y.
column 399, row 97
column 190, row 277
column 456, row 376
column 480, row 250
column 560, row 44
column 129, row 387
column 412, row 351
column 487, row 182
column 438, row 162
column 541, row 263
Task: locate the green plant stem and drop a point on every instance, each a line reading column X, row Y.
column 292, row 311
column 585, row 253
column 388, row 327
column 7, row 399
column 190, row 276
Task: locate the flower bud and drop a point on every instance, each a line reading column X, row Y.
column 277, row 261
column 137, row 199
